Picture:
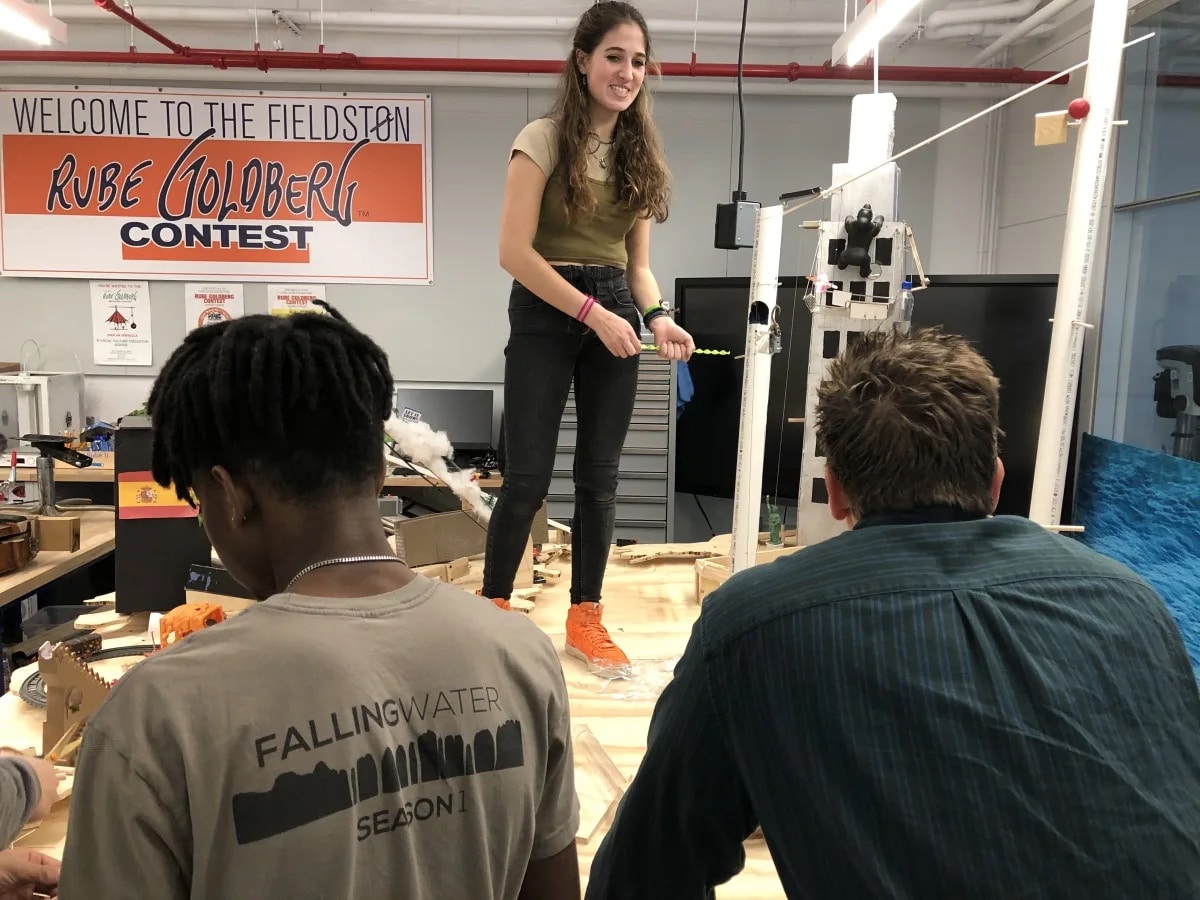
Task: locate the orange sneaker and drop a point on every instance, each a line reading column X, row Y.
column 500, row 602
column 588, row 639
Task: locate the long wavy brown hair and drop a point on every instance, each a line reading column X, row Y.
column 639, row 166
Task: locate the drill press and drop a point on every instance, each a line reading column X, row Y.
column 51, row 447
column 1177, row 396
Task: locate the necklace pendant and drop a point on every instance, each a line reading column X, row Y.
column 604, row 163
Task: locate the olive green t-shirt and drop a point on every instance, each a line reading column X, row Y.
column 598, row 240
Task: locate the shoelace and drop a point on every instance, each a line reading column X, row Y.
column 598, row 634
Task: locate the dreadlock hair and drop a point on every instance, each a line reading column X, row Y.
column 257, row 394
column 639, row 166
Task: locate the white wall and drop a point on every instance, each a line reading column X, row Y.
column 1034, row 182
column 790, row 143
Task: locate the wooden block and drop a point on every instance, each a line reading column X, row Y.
column 458, row 568
column 521, row 604
column 436, row 572
column 1050, row 128
column 713, row 572
column 58, row 533
column 229, row 605
column 770, row 554
column 868, row 310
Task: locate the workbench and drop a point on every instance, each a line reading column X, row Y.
column 64, row 473
column 650, row 613
column 97, row 537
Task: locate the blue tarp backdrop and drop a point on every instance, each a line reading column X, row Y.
column 1142, row 509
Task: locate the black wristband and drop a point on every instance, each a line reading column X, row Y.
column 651, row 314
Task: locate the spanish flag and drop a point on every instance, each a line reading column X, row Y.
column 140, row 497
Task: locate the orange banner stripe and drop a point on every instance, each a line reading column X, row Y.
column 390, row 189
column 216, row 254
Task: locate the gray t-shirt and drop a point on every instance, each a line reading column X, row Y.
column 414, row 744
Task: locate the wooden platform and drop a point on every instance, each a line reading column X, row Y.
column 650, row 613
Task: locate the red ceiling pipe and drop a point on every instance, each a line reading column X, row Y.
column 1183, row 81
column 141, row 26
column 256, row 59
column 266, row 60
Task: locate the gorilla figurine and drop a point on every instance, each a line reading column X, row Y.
column 860, row 231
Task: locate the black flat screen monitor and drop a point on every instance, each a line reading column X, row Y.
column 1006, row 317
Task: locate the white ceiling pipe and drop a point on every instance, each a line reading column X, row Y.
column 1020, row 29
column 160, row 76
column 999, row 12
column 450, row 23
column 953, row 32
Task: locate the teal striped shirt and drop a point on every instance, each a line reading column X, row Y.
column 928, row 706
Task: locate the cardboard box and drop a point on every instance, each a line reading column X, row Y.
column 443, row 537
column 215, row 580
column 214, row 584
column 58, row 533
column 438, row 538
column 540, row 530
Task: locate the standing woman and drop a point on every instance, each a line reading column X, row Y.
column 583, row 186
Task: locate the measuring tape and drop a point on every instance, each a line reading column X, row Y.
column 697, row 350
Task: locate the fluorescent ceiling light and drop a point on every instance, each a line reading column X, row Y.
column 872, row 25
column 31, row 23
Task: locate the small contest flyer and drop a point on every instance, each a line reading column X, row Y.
column 207, row 304
column 121, row 323
column 288, row 299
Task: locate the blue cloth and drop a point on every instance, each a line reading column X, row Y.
column 1140, row 508
column 684, row 389
column 926, row 706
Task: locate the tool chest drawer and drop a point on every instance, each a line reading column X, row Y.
column 645, row 495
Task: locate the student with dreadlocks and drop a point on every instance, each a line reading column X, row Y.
column 583, row 186
column 361, row 732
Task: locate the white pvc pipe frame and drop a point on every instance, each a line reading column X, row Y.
column 1092, row 151
column 1062, row 376
column 756, row 386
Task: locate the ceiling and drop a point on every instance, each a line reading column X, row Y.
column 939, row 32
column 778, row 30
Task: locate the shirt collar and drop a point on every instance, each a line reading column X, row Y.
column 926, row 515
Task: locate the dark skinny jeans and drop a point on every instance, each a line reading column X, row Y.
column 547, row 351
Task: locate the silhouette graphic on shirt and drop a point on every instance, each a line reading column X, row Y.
column 300, row 798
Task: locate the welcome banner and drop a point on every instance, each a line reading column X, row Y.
column 194, row 185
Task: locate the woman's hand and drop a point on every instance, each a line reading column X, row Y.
column 616, row 334
column 673, row 342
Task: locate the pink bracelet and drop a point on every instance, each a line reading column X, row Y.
column 585, row 309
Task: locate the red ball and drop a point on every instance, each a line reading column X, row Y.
column 1079, row 108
